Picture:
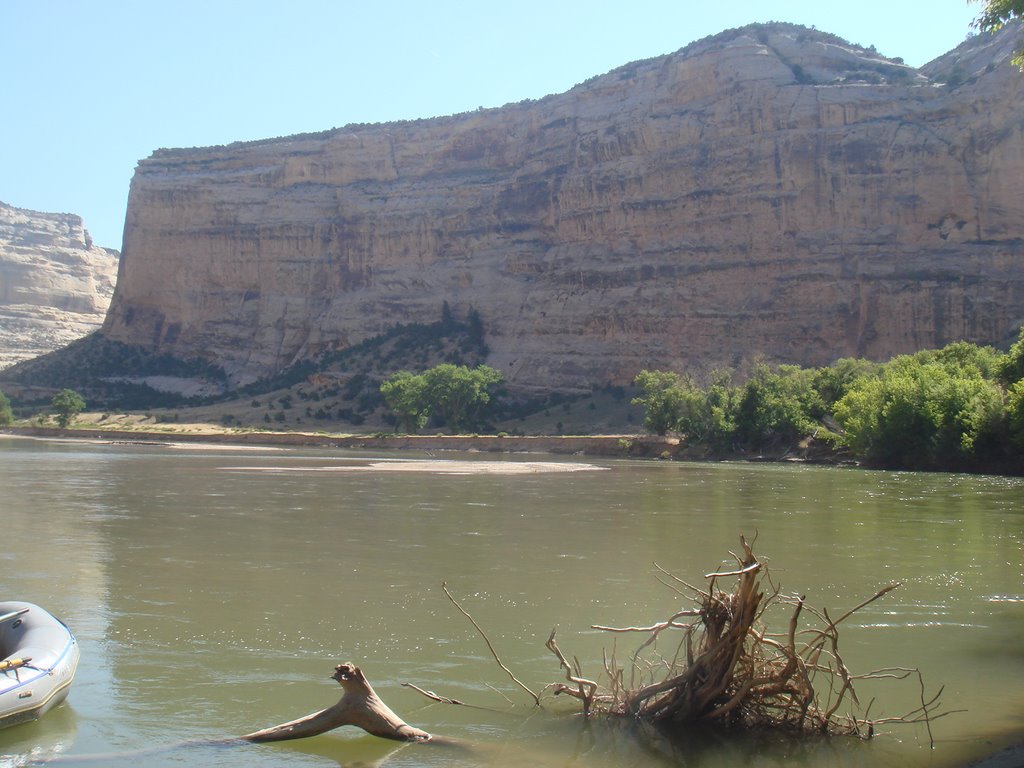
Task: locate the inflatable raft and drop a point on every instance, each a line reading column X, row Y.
column 38, row 659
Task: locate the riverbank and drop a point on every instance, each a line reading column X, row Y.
column 601, row 445
column 616, row 446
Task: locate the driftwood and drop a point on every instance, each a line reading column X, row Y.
column 728, row 669
column 359, row 706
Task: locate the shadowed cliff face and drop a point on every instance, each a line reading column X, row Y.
column 769, row 191
column 55, row 285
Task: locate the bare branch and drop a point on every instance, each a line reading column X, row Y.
column 536, row 698
column 654, row 627
column 749, row 569
column 585, row 689
column 433, row 696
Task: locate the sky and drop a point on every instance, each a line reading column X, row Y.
column 90, row 87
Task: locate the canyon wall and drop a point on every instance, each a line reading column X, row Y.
column 771, row 191
column 55, row 285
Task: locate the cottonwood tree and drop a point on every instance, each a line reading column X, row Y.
column 665, row 398
column 455, row 394
column 458, row 394
column 403, row 394
column 67, row 404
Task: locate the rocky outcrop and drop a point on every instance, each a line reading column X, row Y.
column 770, row 191
column 55, row 285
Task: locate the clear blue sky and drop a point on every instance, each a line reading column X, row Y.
column 90, row 87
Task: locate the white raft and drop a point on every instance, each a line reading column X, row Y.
column 38, row 658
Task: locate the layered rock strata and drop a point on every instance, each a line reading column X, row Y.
column 771, row 191
column 55, row 285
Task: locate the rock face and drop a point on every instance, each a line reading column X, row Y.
column 769, row 191
column 55, row 285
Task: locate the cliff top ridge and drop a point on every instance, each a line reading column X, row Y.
column 815, row 58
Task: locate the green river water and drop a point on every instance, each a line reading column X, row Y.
column 213, row 590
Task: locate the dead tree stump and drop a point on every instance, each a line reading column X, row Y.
column 728, row 669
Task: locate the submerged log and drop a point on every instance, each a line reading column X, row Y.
column 359, row 706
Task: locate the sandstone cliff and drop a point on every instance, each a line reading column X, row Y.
column 769, row 191
column 55, row 285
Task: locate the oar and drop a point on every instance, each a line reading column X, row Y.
column 9, row 664
column 13, row 614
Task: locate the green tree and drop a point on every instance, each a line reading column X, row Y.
column 697, row 419
column 1015, row 414
column 67, row 403
column 404, row 395
column 663, row 400
column 922, row 413
column 455, row 394
column 458, row 394
column 1010, row 368
column 835, row 380
column 996, row 14
column 674, row 403
column 964, row 357
column 6, row 415
column 778, row 405
column 723, row 403
column 970, row 415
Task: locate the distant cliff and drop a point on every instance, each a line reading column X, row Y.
column 770, row 191
column 55, row 285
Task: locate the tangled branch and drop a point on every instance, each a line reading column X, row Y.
column 729, row 669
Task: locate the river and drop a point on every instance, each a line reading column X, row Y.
column 213, row 589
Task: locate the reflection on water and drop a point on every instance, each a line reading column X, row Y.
column 213, row 592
